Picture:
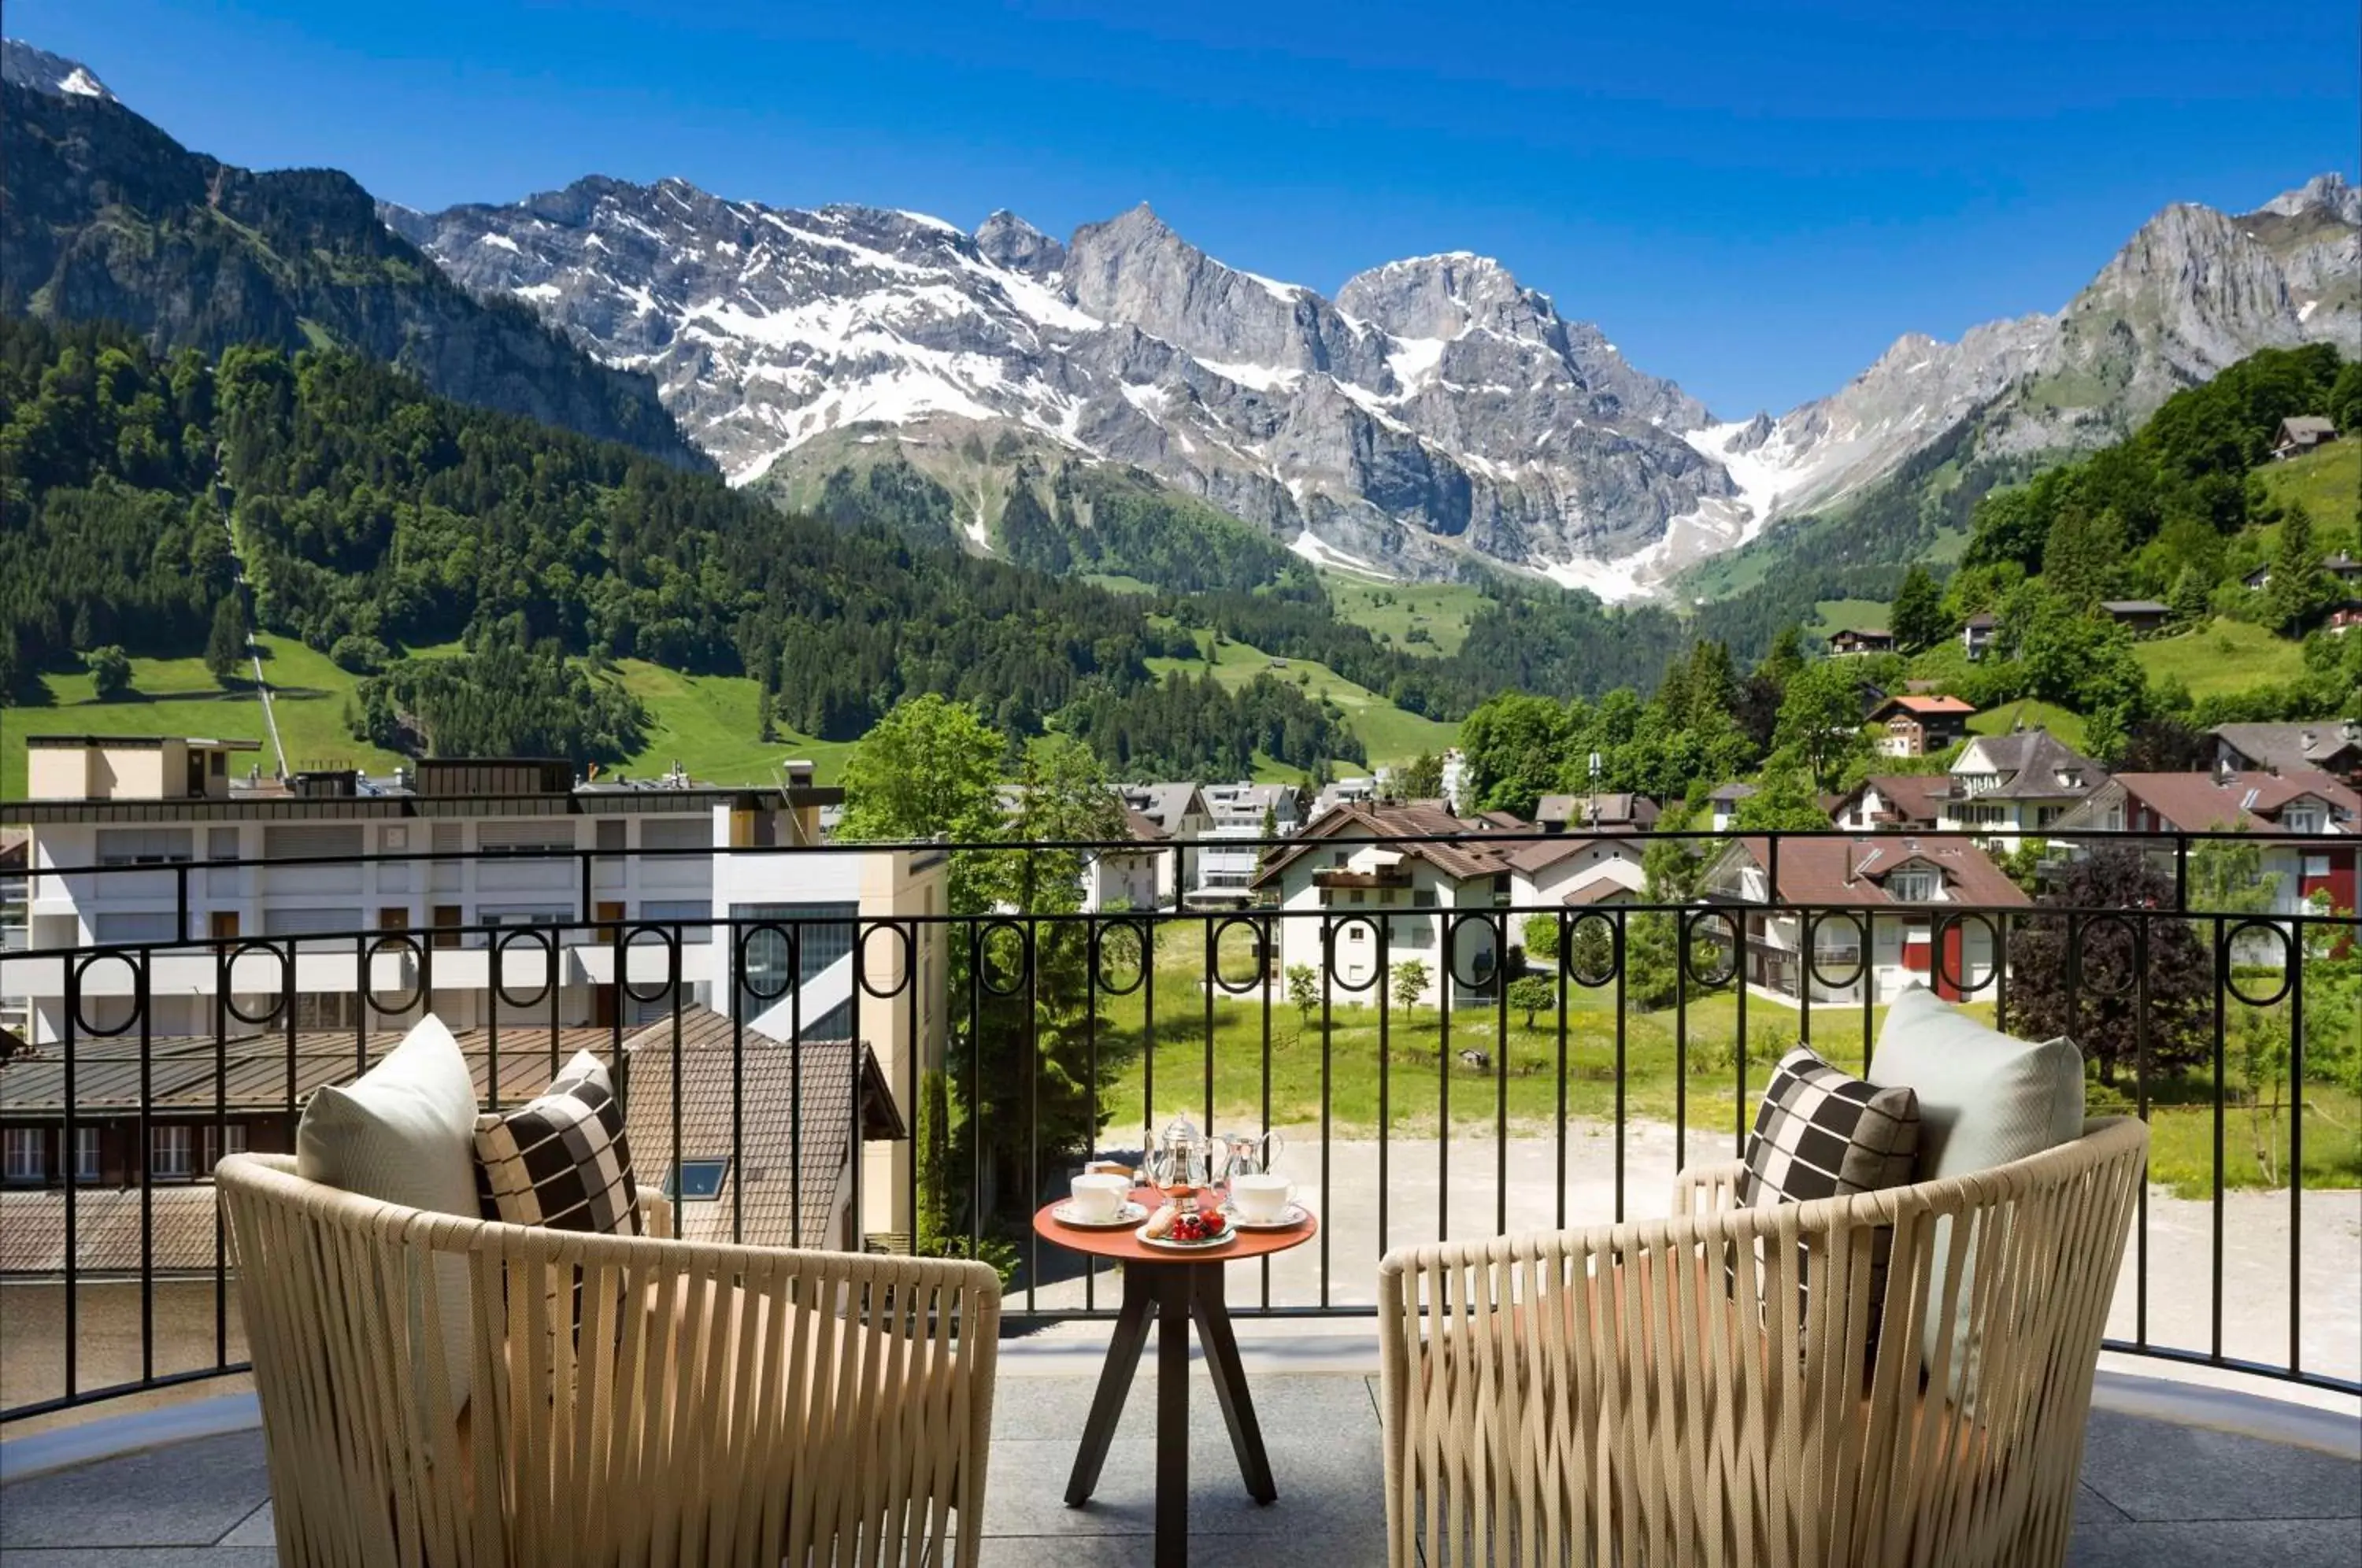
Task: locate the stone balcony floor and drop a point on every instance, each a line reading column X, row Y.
column 2155, row 1492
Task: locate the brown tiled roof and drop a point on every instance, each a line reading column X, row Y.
column 1142, row 826
column 1541, row 854
column 2196, row 803
column 1926, row 707
column 106, row 1229
column 1615, row 810
column 254, row 1074
column 1356, row 820
column 1920, row 796
column 780, row 1209
column 1817, row 871
column 1599, row 891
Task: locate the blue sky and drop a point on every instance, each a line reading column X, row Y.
column 1752, row 198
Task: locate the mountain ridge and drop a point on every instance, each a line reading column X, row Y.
column 1435, row 414
column 106, row 216
column 1435, row 418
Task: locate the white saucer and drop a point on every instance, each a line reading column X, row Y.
column 1128, row 1214
column 1288, row 1219
column 1145, row 1240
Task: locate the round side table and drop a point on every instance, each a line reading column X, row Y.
column 1172, row 1290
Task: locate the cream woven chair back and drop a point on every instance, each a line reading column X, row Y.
column 637, row 1399
column 1724, row 1387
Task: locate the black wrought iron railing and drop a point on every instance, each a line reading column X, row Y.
column 805, row 1065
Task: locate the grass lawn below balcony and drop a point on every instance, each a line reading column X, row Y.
column 1421, row 1094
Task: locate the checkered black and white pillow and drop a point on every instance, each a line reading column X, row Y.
column 1822, row 1132
column 560, row 1160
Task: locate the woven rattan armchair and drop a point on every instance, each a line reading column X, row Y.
column 1658, row 1393
column 635, row 1399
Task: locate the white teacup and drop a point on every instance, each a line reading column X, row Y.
column 1262, row 1197
column 1099, row 1197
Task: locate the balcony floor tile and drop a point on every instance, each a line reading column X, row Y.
column 2153, row 1473
column 2155, row 1492
column 191, row 1494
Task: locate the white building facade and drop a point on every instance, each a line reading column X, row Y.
column 1332, row 891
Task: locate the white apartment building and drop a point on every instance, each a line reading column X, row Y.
column 1226, row 872
column 530, row 847
column 185, row 854
column 15, row 1015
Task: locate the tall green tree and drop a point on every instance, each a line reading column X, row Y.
column 226, row 644
column 930, row 770
column 2083, row 556
column 2299, row 586
column 1820, row 726
column 1421, row 778
column 1917, row 617
column 1785, row 802
column 1516, row 750
column 110, row 671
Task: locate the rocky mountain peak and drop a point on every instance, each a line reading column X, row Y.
column 1443, row 296
column 42, row 72
column 1436, row 408
column 2327, row 193
column 1006, row 240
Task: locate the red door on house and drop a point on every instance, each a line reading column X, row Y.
column 1918, row 954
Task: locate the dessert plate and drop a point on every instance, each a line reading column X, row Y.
column 1287, row 1218
column 1167, row 1243
column 1126, row 1215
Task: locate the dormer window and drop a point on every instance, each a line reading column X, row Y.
column 2301, row 819
column 1913, row 885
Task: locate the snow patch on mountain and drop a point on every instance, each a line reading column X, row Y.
column 54, row 74
column 1435, row 409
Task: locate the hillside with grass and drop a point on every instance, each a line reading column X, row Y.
column 2192, row 511
column 1389, row 735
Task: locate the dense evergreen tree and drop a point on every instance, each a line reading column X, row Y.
column 2131, row 517
column 2299, row 586
column 226, row 644
column 1918, row 617
column 1183, row 728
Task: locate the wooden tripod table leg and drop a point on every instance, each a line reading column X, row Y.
column 1213, row 1315
column 1115, row 1382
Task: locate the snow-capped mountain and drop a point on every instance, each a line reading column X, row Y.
column 1435, row 408
column 2193, row 292
column 45, row 73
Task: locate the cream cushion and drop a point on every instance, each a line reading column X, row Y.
column 1985, row 1100
column 405, row 1132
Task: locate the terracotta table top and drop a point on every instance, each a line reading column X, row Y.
column 1125, row 1247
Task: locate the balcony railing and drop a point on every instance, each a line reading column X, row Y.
column 900, row 1078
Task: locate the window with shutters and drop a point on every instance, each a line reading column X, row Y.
column 143, row 846
column 129, row 926
column 311, row 841
column 27, row 1155
column 173, row 1152
column 310, row 922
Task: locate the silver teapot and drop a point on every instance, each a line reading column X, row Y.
column 1181, row 1155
